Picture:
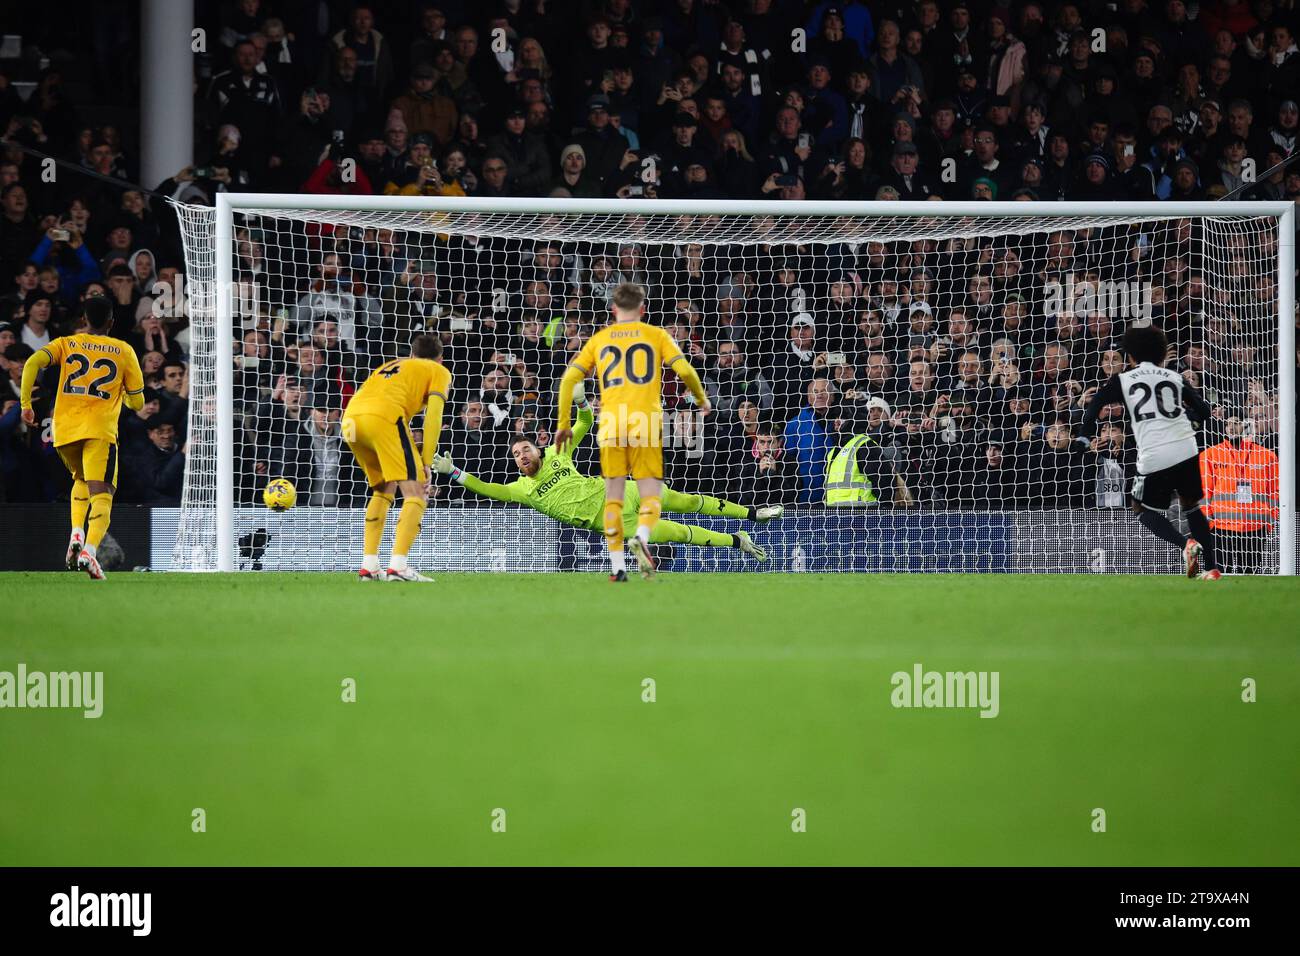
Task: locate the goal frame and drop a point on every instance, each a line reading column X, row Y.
column 229, row 204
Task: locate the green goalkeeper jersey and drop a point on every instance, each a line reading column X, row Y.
column 559, row 490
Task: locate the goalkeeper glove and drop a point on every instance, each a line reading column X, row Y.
column 443, row 465
column 580, row 395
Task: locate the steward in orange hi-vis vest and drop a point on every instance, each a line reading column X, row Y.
column 1241, row 485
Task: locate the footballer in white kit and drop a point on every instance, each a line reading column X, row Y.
column 1163, row 410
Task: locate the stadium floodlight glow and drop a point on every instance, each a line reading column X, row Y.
column 873, row 277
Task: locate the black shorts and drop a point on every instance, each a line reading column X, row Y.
column 1156, row 490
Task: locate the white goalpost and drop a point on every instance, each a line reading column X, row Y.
column 964, row 339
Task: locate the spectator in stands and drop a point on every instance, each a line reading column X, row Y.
column 70, row 257
column 792, row 366
column 573, row 179
column 904, row 176
column 524, row 153
column 766, row 474
column 36, row 330
column 350, row 99
column 19, row 233
column 731, row 381
column 471, row 437
column 153, row 474
column 249, row 100
column 419, row 175
column 425, row 110
column 496, row 177
column 602, row 146
column 810, row 435
column 374, row 59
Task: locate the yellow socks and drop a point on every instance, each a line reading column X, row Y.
column 614, row 534
column 376, row 517
column 648, row 517
column 408, row 527
column 80, row 505
column 101, row 509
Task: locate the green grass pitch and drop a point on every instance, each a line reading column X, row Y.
column 524, row 693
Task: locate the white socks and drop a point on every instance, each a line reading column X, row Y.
column 618, row 561
column 397, row 562
column 643, row 533
column 370, row 563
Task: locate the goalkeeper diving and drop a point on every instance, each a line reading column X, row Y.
column 550, row 484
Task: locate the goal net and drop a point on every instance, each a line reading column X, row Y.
column 964, row 340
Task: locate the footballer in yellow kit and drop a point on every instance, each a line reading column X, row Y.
column 377, row 427
column 627, row 358
column 97, row 374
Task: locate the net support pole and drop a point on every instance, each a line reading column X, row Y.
column 224, row 237
column 1286, row 394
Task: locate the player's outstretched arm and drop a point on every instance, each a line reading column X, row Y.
column 585, row 417
column 1108, row 394
column 564, row 416
column 133, row 383
column 686, row 372
column 432, row 427
column 1198, row 409
column 443, row 465
column 32, row 368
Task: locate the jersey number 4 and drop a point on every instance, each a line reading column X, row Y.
column 615, row 360
column 83, row 368
column 1161, row 389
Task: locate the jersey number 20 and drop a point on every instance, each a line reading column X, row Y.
column 83, row 367
column 1144, row 390
column 615, row 358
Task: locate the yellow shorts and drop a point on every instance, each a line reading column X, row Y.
column 618, row 461
column 90, row 459
column 385, row 449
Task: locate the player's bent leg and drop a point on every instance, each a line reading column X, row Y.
column 614, row 463
column 70, row 455
column 651, row 491
column 1158, row 523
column 1201, row 534
column 97, row 521
column 678, row 502
column 408, row 529
column 672, row 532
column 381, row 500
column 80, row 508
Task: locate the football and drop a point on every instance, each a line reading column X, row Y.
column 280, row 494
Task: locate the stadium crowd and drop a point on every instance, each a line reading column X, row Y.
column 943, row 351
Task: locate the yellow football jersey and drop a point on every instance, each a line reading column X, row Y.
column 626, row 359
column 96, row 371
column 401, row 388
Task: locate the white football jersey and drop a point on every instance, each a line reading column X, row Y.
column 1153, row 397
